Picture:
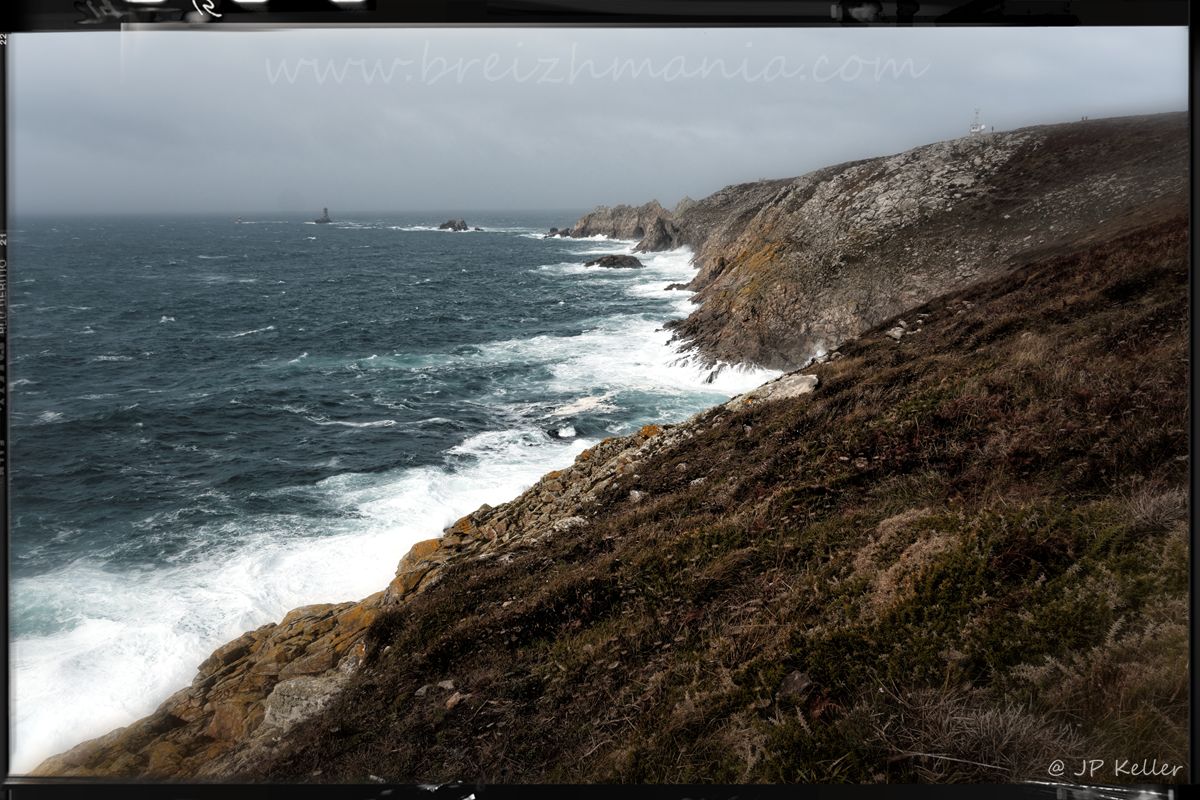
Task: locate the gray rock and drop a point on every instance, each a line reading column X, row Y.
column 616, row 262
column 782, row 388
column 567, row 523
column 293, row 701
column 796, row 686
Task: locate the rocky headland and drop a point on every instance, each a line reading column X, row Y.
column 952, row 546
column 793, row 267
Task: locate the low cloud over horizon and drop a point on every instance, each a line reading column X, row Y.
column 410, row 119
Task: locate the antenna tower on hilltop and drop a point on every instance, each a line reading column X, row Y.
column 977, row 126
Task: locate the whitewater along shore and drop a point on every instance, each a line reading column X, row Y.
column 965, row 509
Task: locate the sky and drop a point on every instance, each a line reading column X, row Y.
column 412, row 119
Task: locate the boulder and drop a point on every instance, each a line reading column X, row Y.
column 782, row 388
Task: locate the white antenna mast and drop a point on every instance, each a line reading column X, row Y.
column 976, row 126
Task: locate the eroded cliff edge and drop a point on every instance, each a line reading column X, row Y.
column 793, row 267
column 976, row 507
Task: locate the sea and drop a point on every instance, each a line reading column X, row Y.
column 212, row 423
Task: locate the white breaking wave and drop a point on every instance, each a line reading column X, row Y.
column 632, row 352
column 248, row 333
column 112, row 358
column 585, row 405
column 137, row 636
column 165, row 318
column 379, row 423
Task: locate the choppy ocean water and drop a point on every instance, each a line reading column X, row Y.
column 213, row 423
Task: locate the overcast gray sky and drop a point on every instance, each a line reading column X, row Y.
column 477, row 118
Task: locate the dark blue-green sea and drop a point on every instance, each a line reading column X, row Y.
column 213, row 423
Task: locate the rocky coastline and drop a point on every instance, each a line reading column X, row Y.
column 793, row 267
column 827, row 273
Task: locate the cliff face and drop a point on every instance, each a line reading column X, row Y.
column 792, row 267
column 962, row 533
column 620, row 222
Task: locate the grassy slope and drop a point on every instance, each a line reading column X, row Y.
column 963, row 556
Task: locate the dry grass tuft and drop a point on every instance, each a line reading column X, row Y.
column 961, row 735
column 1155, row 510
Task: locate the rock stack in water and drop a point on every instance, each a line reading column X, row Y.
column 616, row 262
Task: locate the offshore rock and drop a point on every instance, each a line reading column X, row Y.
column 616, row 262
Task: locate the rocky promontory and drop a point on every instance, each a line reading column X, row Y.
column 617, row 222
column 789, row 268
column 792, row 267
